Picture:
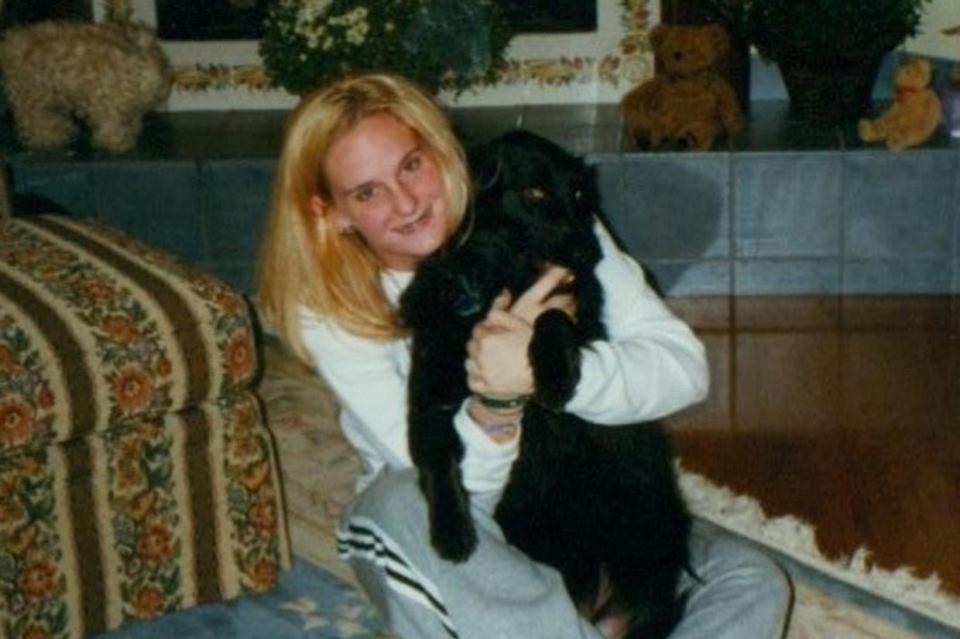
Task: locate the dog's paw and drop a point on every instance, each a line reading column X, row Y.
column 555, row 359
column 452, row 532
column 453, row 538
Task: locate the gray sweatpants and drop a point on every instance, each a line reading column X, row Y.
column 499, row 593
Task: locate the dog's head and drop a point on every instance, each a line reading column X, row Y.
column 534, row 203
column 525, row 181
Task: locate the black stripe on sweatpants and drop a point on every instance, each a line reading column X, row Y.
column 381, row 551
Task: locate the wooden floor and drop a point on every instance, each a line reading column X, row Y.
column 842, row 411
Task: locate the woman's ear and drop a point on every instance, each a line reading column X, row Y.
column 327, row 215
column 318, row 206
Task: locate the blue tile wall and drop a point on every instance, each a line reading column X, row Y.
column 900, row 276
column 155, row 200
column 900, row 205
column 239, row 273
column 782, row 209
column 675, row 206
column 236, row 198
column 609, row 177
column 684, row 278
column 787, row 206
column 787, row 277
column 235, row 201
column 582, row 129
column 56, row 186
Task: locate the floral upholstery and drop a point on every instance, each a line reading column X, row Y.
column 319, row 467
column 135, row 333
column 137, row 475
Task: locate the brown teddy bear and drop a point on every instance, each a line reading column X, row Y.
column 104, row 75
column 915, row 113
column 687, row 100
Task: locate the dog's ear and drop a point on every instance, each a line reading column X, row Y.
column 485, row 165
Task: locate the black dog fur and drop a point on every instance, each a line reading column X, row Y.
column 600, row 504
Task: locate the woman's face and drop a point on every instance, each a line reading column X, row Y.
column 388, row 188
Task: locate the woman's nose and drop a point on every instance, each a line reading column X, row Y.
column 406, row 199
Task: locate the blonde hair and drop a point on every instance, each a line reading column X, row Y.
column 304, row 264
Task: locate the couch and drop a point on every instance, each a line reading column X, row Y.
column 137, row 475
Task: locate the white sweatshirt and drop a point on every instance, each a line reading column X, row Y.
column 651, row 366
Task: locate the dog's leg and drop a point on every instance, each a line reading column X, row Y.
column 555, row 358
column 436, row 450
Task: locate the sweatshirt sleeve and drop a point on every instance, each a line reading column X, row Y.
column 370, row 382
column 651, row 365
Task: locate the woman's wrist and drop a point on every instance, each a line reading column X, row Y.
column 500, row 425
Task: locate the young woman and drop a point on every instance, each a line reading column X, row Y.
column 371, row 180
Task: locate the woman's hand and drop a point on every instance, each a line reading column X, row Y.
column 497, row 362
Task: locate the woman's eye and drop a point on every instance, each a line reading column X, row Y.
column 534, row 194
column 412, row 164
column 364, row 194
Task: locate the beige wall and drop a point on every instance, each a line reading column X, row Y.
column 939, row 15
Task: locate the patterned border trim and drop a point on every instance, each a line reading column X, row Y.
column 627, row 64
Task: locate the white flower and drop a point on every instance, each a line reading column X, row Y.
column 310, row 16
column 357, row 34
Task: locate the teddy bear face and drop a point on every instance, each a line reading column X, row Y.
column 914, row 74
column 688, row 50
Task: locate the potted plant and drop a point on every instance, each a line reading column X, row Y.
column 829, row 51
column 448, row 44
column 950, row 94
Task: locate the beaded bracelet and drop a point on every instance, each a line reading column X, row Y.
column 510, row 404
column 501, row 431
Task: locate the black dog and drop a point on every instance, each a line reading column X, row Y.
column 598, row 503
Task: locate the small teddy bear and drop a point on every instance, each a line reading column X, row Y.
column 105, row 76
column 915, row 113
column 687, row 100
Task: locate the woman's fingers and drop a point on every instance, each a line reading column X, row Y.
column 531, row 302
column 502, row 301
column 498, row 321
column 562, row 302
column 497, row 363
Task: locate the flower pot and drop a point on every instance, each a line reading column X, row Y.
column 737, row 71
column 950, row 98
column 828, row 92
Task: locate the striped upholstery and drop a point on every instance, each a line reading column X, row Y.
column 136, row 474
column 134, row 332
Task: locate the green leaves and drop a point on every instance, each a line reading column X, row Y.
column 438, row 43
column 819, row 29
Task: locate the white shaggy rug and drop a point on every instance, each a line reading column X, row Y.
column 815, row 611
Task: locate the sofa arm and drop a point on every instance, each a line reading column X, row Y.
column 98, row 330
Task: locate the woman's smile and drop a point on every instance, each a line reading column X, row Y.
column 422, row 221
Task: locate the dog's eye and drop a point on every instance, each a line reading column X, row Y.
column 578, row 195
column 534, row 195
